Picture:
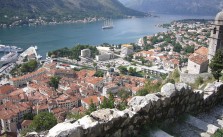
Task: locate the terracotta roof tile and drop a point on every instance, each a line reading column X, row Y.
column 202, row 51
column 198, row 59
column 5, row 89
column 26, row 123
column 88, row 99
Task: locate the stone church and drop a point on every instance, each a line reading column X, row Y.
column 198, row 61
column 216, row 39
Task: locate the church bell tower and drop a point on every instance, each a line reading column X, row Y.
column 216, row 39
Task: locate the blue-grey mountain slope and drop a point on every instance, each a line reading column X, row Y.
column 198, row 7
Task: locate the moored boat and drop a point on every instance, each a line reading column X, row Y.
column 108, row 24
column 8, row 58
column 4, row 48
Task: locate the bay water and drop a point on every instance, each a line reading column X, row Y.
column 51, row 37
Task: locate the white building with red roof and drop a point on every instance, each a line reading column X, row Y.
column 198, row 61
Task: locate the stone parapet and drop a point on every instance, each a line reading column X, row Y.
column 191, row 78
column 173, row 101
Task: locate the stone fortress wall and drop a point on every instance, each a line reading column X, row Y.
column 173, row 101
column 191, row 78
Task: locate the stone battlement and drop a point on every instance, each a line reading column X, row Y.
column 173, row 101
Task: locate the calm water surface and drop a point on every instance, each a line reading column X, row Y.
column 51, row 37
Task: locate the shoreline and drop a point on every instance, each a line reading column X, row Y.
column 40, row 22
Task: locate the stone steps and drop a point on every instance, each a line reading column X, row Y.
column 215, row 116
column 183, row 129
column 197, row 123
column 158, row 133
column 202, row 125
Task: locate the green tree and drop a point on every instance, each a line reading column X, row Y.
column 122, row 69
column 94, row 64
column 189, row 49
column 132, row 71
column 44, row 121
column 29, row 66
column 99, row 73
column 54, row 82
column 74, row 52
column 108, row 103
column 76, row 69
column 145, row 40
column 175, row 74
column 142, row 92
column 124, row 94
column 216, row 65
column 143, row 60
column 152, row 87
column 108, row 65
column 91, row 108
column 177, row 48
column 122, row 105
column 28, row 116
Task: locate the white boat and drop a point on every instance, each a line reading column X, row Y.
column 8, row 58
column 108, row 24
column 36, row 48
column 39, row 57
column 4, row 48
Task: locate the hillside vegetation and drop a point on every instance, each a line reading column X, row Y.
column 12, row 10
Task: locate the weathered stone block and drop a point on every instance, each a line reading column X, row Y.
column 182, row 88
column 168, row 90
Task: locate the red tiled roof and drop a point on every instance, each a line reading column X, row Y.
column 88, row 100
column 198, row 59
column 26, row 123
column 93, row 80
column 199, row 56
column 41, row 70
column 202, row 51
column 78, row 110
column 175, row 61
column 5, row 89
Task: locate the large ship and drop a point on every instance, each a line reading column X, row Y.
column 108, row 24
column 4, row 48
column 8, row 58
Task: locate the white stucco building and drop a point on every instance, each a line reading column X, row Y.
column 198, row 61
column 86, row 53
column 126, row 49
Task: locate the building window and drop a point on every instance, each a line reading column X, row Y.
column 214, row 32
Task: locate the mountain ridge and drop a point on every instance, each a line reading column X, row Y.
column 186, row 7
column 12, row 10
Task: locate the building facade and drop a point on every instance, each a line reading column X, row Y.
column 86, row 53
column 126, row 50
column 198, row 61
column 216, row 39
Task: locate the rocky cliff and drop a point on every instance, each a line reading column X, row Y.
column 173, row 101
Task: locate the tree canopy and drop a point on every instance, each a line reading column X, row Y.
column 108, row 103
column 216, row 65
column 99, row 73
column 142, row 92
column 123, row 69
column 91, row 108
column 54, row 82
column 29, row 66
column 74, row 52
column 44, row 121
